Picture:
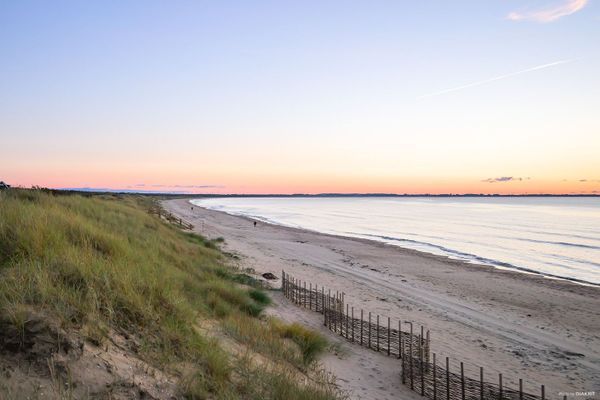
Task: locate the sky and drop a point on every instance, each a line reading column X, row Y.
column 302, row 97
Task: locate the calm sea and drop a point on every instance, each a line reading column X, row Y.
column 555, row 236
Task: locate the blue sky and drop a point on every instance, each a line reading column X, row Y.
column 300, row 96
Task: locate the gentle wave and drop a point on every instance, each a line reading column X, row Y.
column 583, row 246
column 473, row 258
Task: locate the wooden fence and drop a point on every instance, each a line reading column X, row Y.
column 418, row 372
column 439, row 383
column 162, row 213
column 372, row 331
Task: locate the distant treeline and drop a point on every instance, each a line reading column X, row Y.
column 92, row 191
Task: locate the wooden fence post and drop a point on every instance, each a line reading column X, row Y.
column 352, row 324
column 447, row 378
column 304, row 295
column 369, row 329
column 543, row 393
column 410, row 357
column 399, row 339
column 329, row 308
column 462, row 380
column 500, row 386
column 520, row 389
column 325, row 316
column 421, row 339
column 410, row 336
column 347, row 331
column 310, row 296
column 377, row 332
column 420, row 347
column 389, row 336
column 427, row 348
column 481, row 383
column 403, row 370
column 341, row 323
column 422, row 371
column 434, row 378
column 361, row 326
column 336, row 311
column 324, row 309
column 331, row 311
column 342, row 319
column 328, row 305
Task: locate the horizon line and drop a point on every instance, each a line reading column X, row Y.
column 321, row 194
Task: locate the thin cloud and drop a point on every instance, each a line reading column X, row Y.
column 160, row 185
column 496, row 78
column 198, row 186
column 549, row 14
column 504, row 179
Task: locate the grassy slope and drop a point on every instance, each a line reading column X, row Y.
column 102, row 264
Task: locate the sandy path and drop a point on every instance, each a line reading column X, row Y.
column 541, row 330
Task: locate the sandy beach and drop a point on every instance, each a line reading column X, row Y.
column 544, row 331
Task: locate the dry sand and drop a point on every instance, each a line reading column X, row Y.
column 521, row 325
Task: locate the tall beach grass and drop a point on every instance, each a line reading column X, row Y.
column 101, row 264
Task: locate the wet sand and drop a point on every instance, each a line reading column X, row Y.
column 542, row 330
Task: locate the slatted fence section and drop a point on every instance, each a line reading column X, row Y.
column 440, row 382
column 162, row 213
column 423, row 375
column 370, row 330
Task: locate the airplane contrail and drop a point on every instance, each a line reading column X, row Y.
column 497, row 78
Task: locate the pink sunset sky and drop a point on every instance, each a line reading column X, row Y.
column 233, row 97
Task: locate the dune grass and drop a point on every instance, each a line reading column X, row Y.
column 102, row 264
column 268, row 337
column 311, row 343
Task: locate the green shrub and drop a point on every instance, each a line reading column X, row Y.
column 260, row 297
column 309, row 341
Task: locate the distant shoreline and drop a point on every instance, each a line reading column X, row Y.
column 477, row 260
column 303, row 195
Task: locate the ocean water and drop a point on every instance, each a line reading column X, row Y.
column 554, row 236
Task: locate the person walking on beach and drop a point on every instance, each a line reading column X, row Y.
column 255, row 224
